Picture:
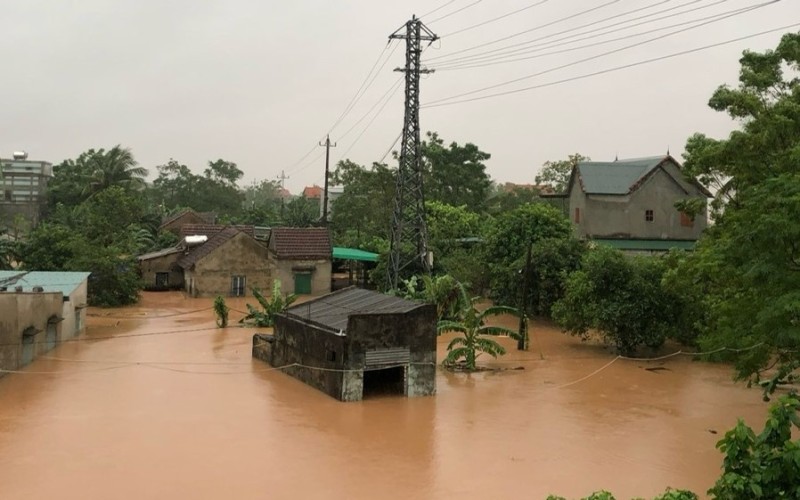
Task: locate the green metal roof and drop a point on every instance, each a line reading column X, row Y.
column 646, row 245
column 354, row 254
column 615, row 177
column 50, row 281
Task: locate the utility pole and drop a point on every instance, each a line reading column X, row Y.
column 282, row 178
column 327, row 144
column 409, row 243
column 522, row 342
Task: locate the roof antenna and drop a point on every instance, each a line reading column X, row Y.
column 667, row 149
column 616, row 156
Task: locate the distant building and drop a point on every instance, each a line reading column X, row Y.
column 312, row 192
column 334, row 192
column 175, row 222
column 630, row 204
column 302, row 259
column 23, row 187
column 38, row 310
column 355, row 343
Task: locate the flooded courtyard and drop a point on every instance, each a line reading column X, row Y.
column 154, row 401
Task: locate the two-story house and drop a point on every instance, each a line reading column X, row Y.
column 630, row 204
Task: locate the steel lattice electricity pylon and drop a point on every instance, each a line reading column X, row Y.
column 409, row 245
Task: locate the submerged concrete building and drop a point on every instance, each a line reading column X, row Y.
column 355, row 343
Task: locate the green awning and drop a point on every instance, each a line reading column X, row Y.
column 343, row 253
column 646, row 245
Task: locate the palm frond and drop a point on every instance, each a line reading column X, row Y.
column 450, row 326
column 497, row 330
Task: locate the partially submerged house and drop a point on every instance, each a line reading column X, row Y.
column 230, row 262
column 355, row 343
column 73, row 287
column 630, row 204
column 160, row 269
column 302, row 259
column 38, row 310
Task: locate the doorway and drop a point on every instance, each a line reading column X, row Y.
column 385, row 382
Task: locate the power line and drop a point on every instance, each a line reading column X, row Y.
column 392, row 146
column 618, row 68
column 567, row 18
column 357, row 96
column 524, row 47
column 484, row 23
column 355, row 141
column 603, row 54
column 469, row 65
column 437, row 9
column 455, row 12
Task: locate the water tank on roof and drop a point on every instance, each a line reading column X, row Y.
column 196, row 239
column 20, row 155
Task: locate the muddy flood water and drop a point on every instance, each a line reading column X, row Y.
column 155, row 402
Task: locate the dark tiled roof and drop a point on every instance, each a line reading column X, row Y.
column 211, row 229
column 209, row 217
column 301, row 242
column 333, row 310
column 214, row 242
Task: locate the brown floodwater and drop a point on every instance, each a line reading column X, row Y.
column 154, row 402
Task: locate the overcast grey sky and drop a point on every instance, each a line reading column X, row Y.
column 260, row 82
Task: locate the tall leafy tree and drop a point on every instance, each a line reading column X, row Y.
column 115, row 167
column 363, row 213
column 745, row 271
column 556, row 173
column 454, row 174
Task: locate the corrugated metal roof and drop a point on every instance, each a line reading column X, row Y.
column 615, row 177
column 332, row 310
column 50, row 281
column 159, row 253
column 354, row 254
column 646, row 245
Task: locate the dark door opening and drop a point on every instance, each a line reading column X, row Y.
column 385, row 382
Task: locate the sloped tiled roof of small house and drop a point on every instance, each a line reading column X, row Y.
column 301, row 242
column 211, row 229
column 214, row 242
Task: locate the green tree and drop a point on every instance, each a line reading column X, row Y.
column 471, row 324
column 301, row 212
column 455, row 175
column 619, row 297
column 364, row 210
column 449, row 225
column 275, row 304
column 221, row 311
column 508, row 239
column 556, row 174
column 115, row 167
column 745, row 268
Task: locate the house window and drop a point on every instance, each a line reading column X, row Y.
column 8, row 195
column 577, row 215
column 687, row 220
column 330, row 355
column 648, row 215
column 237, row 286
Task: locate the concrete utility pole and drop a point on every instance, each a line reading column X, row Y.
column 327, row 144
column 282, row 178
column 409, row 243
